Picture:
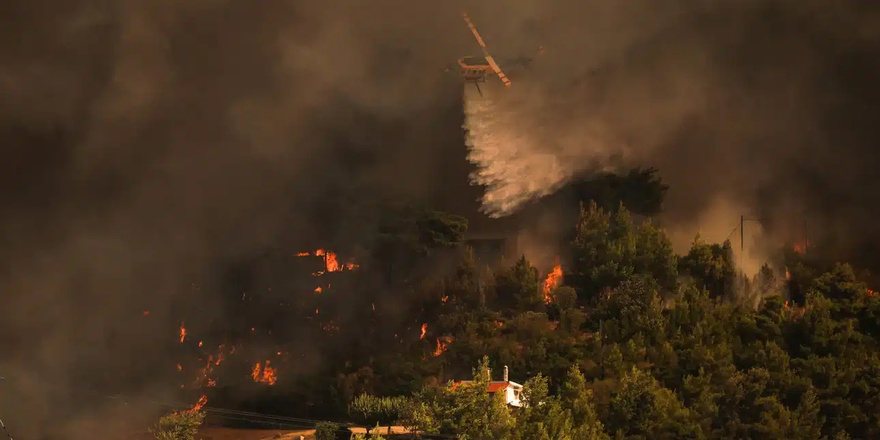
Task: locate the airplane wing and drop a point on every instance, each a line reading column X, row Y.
column 489, row 58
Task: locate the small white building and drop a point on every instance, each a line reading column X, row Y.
column 512, row 390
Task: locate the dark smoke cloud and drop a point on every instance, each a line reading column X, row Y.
column 762, row 109
column 146, row 144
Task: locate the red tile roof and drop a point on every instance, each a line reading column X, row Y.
column 493, row 387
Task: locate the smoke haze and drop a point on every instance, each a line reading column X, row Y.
column 767, row 108
column 146, row 144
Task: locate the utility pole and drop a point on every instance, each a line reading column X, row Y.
column 806, row 237
column 742, row 223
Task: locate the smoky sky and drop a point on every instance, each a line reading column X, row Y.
column 761, row 109
column 146, row 143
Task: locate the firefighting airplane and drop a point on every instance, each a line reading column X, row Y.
column 476, row 69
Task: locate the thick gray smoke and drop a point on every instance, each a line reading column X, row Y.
column 755, row 108
column 520, row 152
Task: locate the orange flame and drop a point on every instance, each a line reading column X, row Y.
column 424, row 330
column 179, row 367
column 200, row 404
column 331, row 262
column 871, row 292
column 442, row 346
column 444, row 298
column 801, row 247
column 554, row 278
column 499, row 323
column 266, row 374
column 318, row 289
column 182, row 332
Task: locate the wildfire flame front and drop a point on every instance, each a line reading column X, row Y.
column 553, row 280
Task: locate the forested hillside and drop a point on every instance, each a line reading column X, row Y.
column 636, row 342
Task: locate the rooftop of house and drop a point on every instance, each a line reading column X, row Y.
column 493, row 386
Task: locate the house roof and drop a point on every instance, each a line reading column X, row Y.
column 492, row 387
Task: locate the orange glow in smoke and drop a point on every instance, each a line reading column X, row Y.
column 801, row 247
column 146, row 313
column 266, row 374
column 554, row 278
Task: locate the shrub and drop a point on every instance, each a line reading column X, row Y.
column 182, row 425
column 326, row 431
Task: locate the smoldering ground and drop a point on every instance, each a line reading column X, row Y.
column 148, row 144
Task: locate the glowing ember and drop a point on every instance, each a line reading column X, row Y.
column 352, row 266
column 182, row 332
column 870, row 292
column 424, row 330
column 554, row 278
column 499, row 323
column 318, row 289
column 266, row 374
column 444, row 298
column 303, row 254
column 200, row 343
column 787, row 275
column 146, row 313
column 179, row 367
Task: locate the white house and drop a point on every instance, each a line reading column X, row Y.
column 512, row 390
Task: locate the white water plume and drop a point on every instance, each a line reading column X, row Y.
column 522, row 147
